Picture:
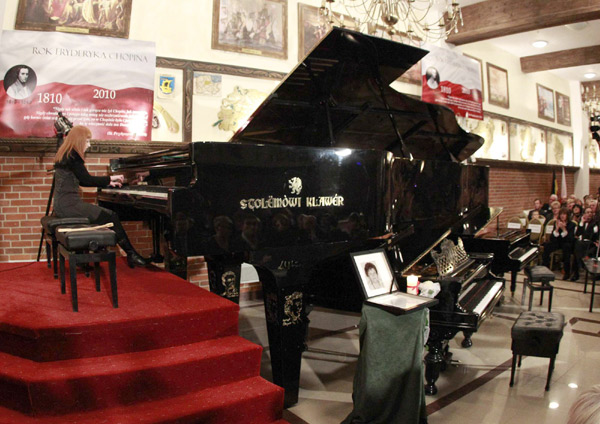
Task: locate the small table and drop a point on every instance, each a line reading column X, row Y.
column 592, row 266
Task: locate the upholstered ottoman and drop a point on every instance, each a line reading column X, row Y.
column 83, row 246
column 536, row 334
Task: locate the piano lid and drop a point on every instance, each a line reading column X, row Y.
column 339, row 96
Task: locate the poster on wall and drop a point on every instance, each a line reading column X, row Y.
column 103, row 83
column 494, row 133
column 560, row 149
column 452, row 80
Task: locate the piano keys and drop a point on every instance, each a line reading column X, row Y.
column 333, row 162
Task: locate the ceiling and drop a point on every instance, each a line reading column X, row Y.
column 571, row 28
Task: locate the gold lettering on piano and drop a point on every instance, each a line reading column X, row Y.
column 292, row 309
column 292, row 202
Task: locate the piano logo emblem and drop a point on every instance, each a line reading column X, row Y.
column 295, row 185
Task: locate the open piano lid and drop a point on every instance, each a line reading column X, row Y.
column 339, row 96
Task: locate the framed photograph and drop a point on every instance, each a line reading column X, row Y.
column 81, row 17
column 563, row 109
column 256, row 27
column 497, row 86
column 312, row 27
column 545, row 100
column 480, row 62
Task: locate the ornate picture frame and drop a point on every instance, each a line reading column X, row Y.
column 497, row 86
column 545, row 101
column 374, row 271
column 257, row 27
column 563, row 109
column 76, row 17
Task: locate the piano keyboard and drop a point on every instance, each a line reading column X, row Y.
column 478, row 296
column 153, row 192
column 523, row 254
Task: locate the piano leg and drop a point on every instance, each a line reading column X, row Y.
column 433, row 360
column 287, row 325
column 224, row 276
column 467, row 342
column 513, row 283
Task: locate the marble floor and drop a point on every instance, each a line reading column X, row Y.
column 473, row 390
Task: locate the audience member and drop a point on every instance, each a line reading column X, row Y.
column 546, row 207
column 562, row 237
column 576, row 213
column 553, row 213
column 586, row 233
column 537, row 206
column 586, row 408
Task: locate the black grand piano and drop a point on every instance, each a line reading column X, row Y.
column 334, row 161
column 512, row 248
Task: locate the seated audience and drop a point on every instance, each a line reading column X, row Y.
column 586, row 233
column 553, row 213
column 562, row 237
column 546, row 207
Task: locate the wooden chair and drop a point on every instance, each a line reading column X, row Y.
column 536, row 229
column 514, row 223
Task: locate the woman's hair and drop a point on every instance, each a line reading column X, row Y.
column 564, row 211
column 369, row 266
column 576, row 206
column 75, row 140
column 586, row 408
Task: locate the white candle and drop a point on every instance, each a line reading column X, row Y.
column 412, row 283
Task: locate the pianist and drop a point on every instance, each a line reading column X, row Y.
column 70, row 173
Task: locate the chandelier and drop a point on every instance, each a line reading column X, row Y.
column 426, row 20
column 590, row 97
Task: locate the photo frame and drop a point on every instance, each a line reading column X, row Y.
column 497, row 86
column 266, row 36
column 76, row 17
column 545, row 101
column 563, row 109
column 382, row 290
column 480, row 72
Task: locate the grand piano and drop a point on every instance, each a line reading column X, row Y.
column 512, row 248
column 334, row 161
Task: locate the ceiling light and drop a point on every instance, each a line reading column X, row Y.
column 589, row 75
column 539, row 44
column 553, row 405
column 573, row 385
column 578, row 26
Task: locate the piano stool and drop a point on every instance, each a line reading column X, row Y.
column 536, row 334
column 49, row 224
column 82, row 247
column 538, row 278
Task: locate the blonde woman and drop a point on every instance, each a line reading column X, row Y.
column 70, row 173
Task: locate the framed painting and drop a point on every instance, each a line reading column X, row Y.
column 545, row 101
column 312, row 27
column 497, row 86
column 563, row 109
column 109, row 19
column 527, row 143
column 256, row 27
column 560, row 149
column 480, row 62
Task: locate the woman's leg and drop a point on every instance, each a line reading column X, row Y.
column 133, row 258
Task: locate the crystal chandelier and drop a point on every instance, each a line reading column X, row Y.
column 590, row 97
column 426, row 20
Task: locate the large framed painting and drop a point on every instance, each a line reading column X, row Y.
column 312, row 27
column 497, row 86
column 563, row 109
column 480, row 62
column 256, row 27
column 494, row 132
column 545, row 101
column 560, row 149
column 527, row 143
column 105, row 18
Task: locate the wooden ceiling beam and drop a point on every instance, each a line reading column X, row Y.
column 497, row 18
column 561, row 59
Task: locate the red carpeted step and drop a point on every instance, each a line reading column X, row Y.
column 250, row 401
column 156, row 310
column 91, row 383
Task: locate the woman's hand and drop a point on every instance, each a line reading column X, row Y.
column 116, row 181
column 139, row 177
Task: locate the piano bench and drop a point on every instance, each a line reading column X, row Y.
column 538, row 278
column 536, row 334
column 82, row 247
column 49, row 224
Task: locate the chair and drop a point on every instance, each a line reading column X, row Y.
column 86, row 245
column 50, row 223
column 538, row 278
column 536, row 334
column 536, row 229
column 514, row 223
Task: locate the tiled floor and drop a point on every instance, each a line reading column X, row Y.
column 473, row 391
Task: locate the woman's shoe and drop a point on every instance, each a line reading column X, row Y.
column 575, row 276
column 135, row 259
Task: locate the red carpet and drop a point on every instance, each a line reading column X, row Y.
column 169, row 354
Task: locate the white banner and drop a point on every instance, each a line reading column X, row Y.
column 100, row 82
